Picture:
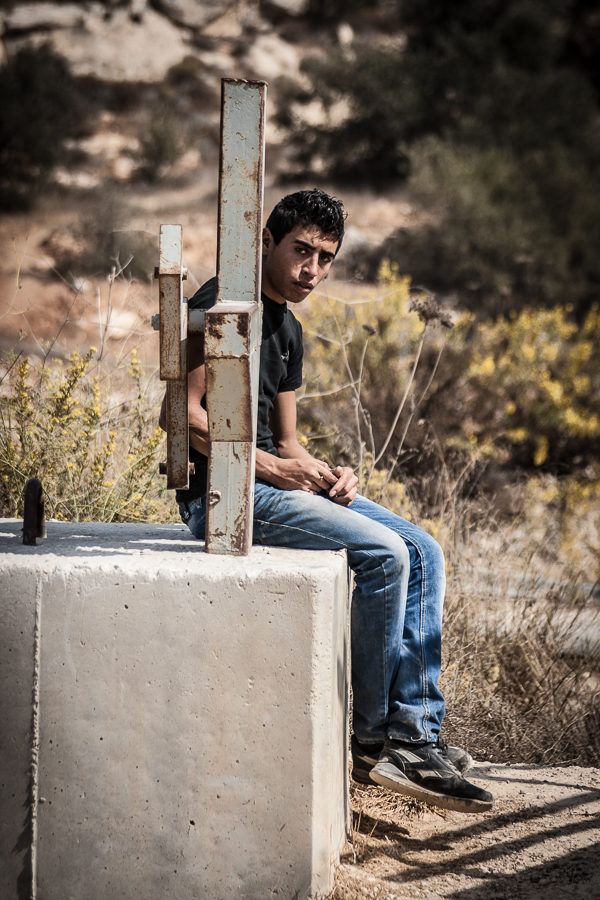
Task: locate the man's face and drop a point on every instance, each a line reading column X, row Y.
column 295, row 266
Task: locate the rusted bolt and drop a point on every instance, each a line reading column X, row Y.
column 214, row 497
column 34, row 522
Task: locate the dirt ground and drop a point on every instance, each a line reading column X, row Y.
column 541, row 840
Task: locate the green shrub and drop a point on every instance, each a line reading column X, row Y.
column 490, row 112
column 41, row 107
column 504, row 229
column 520, row 392
column 163, row 140
column 490, row 75
column 540, row 373
column 337, row 9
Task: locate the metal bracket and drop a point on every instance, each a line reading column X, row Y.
column 34, row 521
column 173, row 325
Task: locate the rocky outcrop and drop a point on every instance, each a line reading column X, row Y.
column 140, row 41
column 118, row 48
column 270, row 56
column 33, row 16
column 289, row 7
column 193, row 13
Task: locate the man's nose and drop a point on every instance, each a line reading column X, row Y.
column 311, row 265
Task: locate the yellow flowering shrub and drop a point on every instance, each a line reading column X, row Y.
column 359, row 363
column 540, row 371
column 563, row 514
column 89, row 431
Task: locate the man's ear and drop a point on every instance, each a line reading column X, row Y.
column 267, row 240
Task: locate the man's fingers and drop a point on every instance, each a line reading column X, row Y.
column 345, row 484
column 326, row 475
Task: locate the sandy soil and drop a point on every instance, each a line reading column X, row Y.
column 542, row 840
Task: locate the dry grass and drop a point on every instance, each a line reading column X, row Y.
column 522, row 629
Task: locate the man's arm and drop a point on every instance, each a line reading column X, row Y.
column 295, row 468
column 197, row 415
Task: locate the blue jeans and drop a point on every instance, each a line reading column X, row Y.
column 397, row 603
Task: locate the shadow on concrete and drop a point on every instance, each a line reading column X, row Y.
column 80, row 539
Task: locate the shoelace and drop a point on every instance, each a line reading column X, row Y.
column 440, row 745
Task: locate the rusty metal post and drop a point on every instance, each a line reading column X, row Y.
column 34, row 521
column 173, row 352
column 233, row 325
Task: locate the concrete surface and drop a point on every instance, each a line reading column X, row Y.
column 192, row 716
column 18, row 588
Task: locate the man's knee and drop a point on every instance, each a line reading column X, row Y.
column 397, row 551
column 430, row 546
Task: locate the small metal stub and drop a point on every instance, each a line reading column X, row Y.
column 195, row 320
column 34, row 522
column 184, row 275
column 162, row 468
column 214, row 497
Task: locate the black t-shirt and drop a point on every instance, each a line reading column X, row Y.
column 280, row 370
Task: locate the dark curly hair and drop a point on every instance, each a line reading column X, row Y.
column 310, row 207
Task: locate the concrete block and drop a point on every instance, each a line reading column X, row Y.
column 192, row 714
column 17, row 674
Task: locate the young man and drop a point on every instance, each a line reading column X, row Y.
column 300, row 502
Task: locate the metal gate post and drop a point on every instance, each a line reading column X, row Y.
column 233, row 326
column 173, row 352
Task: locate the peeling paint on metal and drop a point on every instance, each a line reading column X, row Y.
column 233, row 325
column 173, row 353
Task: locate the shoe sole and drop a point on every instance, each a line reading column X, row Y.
column 361, row 777
column 388, row 776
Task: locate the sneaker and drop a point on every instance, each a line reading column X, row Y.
column 460, row 759
column 366, row 756
column 424, row 772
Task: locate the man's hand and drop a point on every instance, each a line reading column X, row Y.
column 344, row 489
column 295, row 474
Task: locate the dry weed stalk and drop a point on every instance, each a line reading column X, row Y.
column 518, row 686
column 430, row 314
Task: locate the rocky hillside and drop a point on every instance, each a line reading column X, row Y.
column 138, row 41
column 140, row 53
column 145, row 148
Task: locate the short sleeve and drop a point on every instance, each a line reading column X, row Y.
column 293, row 378
column 205, row 297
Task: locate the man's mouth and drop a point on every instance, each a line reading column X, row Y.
column 305, row 285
